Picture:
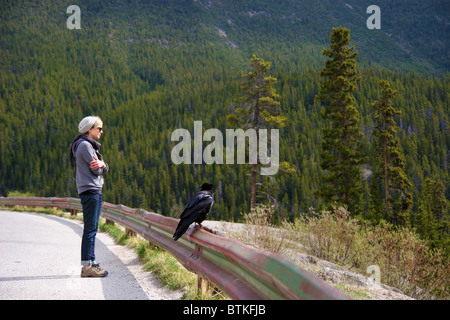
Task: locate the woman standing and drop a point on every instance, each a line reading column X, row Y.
column 89, row 164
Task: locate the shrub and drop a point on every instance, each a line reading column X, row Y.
column 406, row 261
column 13, row 193
column 329, row 236
column 259, row 231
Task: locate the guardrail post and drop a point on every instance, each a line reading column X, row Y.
column 130, row 233
column 202, row 286
column 73, row 212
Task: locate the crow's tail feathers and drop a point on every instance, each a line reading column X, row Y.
column 181, row 229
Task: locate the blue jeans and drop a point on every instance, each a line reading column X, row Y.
column 92, row 204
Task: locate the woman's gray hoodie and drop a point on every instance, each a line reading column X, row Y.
column 86, row 178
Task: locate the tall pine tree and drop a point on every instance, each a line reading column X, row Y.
column 389, row 159
column 341, row 154
column 260, row 109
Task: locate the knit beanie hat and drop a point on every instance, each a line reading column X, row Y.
column 86, row 124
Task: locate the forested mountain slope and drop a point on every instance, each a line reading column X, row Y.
column 150, row 67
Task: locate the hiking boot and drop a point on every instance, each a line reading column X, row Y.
column 94, row 271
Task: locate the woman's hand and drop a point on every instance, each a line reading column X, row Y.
column 97, row 164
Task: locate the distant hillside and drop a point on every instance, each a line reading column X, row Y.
column 413, row 34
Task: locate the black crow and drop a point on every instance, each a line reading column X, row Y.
column 196, row 210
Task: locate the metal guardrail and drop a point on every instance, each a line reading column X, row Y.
column 242, row 272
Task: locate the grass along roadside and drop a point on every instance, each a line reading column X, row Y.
column 156, row 260
column 169, row 271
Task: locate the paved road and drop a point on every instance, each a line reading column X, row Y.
column 40, row 259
